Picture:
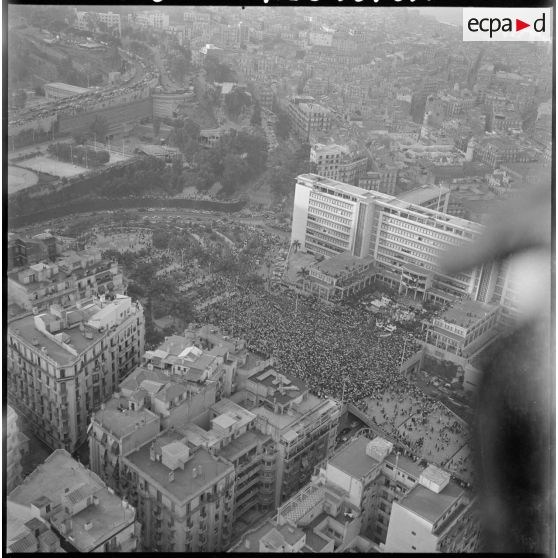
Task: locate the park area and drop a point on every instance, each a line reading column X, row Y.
column 19, row 179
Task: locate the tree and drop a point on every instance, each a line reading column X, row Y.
column 303, row 272
column 256, row 119
column 39, row 91
column 296, row 245
column 99, row 128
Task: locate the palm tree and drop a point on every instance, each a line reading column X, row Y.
column 296, row 245
column 303, row 272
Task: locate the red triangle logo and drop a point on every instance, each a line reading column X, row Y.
column 519, row 25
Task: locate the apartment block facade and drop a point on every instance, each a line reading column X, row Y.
column 352, row 504
column 184, row 498
column 302, row 426
column 17, row 445
column 64, row 281
column 63, row 363
column 308, row 117
column 337, row 162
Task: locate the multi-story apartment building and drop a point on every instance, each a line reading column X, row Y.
column 147, row 402
column 382, row 179
column 302, row 426
column 184, row 497
column 155, row 19
column 182, row 359
column 63, row 363
column 308, row 117
column 198, row 16
column 337, row 162
column 504, row 120
column 17, row 445
column 88, row 21
column 234, row 437
column 405, row 240
column 351, row 505
column 85, row 515
column 463, row 330
column 68, row 279
column 23, row 251
column 494, row 151
column 436, row 515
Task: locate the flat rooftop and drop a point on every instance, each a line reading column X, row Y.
column 250, row 541
column 429, row 505
column 467, row 312
column 424, row 194
column 353, row 459
column 28, row 331
column 405, row 464
column 185, row 486
column 285, row 386
column 342, row 263
column 119, row 422
column 241, row 445
column 61, row 471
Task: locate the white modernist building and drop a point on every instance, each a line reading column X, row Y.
column 404, row 239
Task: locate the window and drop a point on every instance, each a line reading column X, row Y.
column 414, row 547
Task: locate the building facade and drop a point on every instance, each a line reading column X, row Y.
column 352, row 504
column 63, row 363
column 405, row 241
column 64, row 281
column 307, row 117
column 337, row 162
column 184, row 497
column 17, row 445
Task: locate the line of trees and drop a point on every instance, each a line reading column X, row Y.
column 79, row 155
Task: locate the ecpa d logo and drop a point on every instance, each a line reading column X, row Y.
column 497, row 24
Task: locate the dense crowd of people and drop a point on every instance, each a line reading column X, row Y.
column 335, row 350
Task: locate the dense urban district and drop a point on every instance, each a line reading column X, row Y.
column 227, row 329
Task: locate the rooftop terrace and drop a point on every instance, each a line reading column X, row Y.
column 60, row 472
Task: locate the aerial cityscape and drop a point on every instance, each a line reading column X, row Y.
column 228, row 329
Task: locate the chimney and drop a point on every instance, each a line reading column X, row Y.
column 152, row 452
column 247, row 543
column 171, row 476
column 88, row 526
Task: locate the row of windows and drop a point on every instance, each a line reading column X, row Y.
column 399, row 222
column 330, row 215
column 424, row 243
column 413, row 253
column 329, row 223
column 331, row 201
column 331, row 241
column 326, row 230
